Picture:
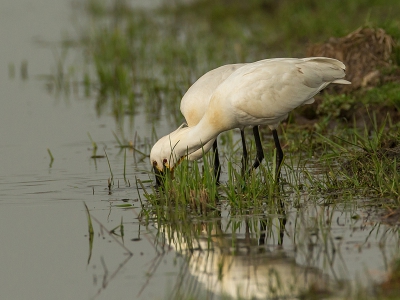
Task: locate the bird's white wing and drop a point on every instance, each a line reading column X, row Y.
column 266, row 91
column 196, row 100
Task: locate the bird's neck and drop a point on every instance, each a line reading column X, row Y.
column 214, row 121
column 195, row 138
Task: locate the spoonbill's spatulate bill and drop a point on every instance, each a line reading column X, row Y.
column 259, row 93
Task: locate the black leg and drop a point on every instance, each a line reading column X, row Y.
column 217, row 166
column 244, row 157
column 282, row 221
column 260, row 152
column 279, row 152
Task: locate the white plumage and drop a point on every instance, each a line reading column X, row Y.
column 259, row 93
column 195, row 101
column 197, row 98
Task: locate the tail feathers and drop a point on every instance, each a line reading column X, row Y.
column 326, row 60
column 321, row 70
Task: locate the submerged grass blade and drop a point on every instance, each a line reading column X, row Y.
column 125, row 166
column 111, row 181
column 91, row 232
column 51, row 157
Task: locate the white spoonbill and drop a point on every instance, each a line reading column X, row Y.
column 259, row 93
column 194, row 105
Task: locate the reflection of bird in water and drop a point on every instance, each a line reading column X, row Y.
column 259, row 93
column 241, row 267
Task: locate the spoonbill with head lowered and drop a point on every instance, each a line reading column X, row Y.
column 194, row 105
column 258, row 93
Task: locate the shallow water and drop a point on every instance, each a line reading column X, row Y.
column 45, row 252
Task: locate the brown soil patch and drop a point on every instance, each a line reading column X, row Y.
column 365, row 52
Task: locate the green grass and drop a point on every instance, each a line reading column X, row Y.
column 352, row 160
column 369, row 161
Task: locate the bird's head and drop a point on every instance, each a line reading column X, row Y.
column 166, row 154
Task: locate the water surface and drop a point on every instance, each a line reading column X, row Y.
column 45, row 252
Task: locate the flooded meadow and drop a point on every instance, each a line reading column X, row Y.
column 88, row 87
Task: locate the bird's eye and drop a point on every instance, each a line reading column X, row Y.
column 154, row 163
column 165, row 161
